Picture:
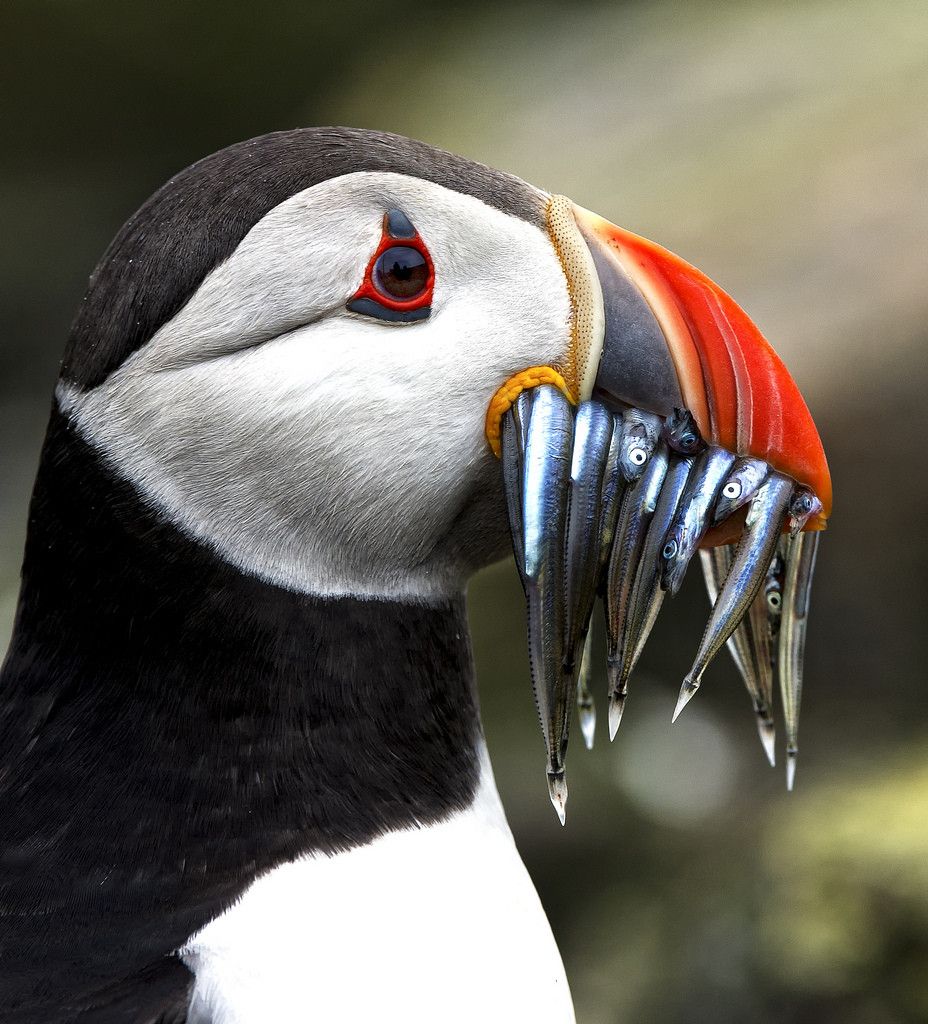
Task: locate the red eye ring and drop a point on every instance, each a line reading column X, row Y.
column 373, row 297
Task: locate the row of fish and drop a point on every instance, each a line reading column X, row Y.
column 616, row 505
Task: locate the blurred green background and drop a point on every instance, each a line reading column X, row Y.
column 783, row 148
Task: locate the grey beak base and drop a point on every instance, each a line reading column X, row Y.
column 635, row 369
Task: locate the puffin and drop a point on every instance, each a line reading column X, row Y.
column 243, row 777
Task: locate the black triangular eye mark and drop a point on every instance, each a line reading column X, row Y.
column 398, row 225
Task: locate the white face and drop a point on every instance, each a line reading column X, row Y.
column 323, row 450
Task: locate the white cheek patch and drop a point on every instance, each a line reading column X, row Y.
column 324, row 451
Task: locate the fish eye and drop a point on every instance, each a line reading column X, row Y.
column 732, row 490
column 774, row 601
column 688, row 440
column 670, row 549
column 638, row 456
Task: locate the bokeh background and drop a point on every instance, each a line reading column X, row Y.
column 783, row 148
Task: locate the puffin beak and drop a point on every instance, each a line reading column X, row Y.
column 671, row 425
column 674, row 339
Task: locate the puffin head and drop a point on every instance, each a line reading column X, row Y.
column 292, row 348
column 306, row 353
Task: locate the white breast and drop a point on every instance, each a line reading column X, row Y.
column 436, row 924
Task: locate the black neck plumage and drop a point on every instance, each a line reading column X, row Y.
column 170, row 727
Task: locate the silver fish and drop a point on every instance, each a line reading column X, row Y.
column 804, row 505
column 682, row 434
column 749, row 645
column 755, row 550
column 641, row 432
column 638, row 507
column 801, row 551
column 693, row 515
column 740, row 486
column 773, row 597
column 586, row 707
column 592, row 436
column 613, row 489
column 512, row 451
column 647, row 595
column 545, row 497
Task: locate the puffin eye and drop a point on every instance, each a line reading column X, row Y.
column 401, row 273
column 399, row 279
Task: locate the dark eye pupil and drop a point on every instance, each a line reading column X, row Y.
column 401, row 272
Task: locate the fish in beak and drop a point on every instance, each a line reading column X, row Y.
column 670, row 426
